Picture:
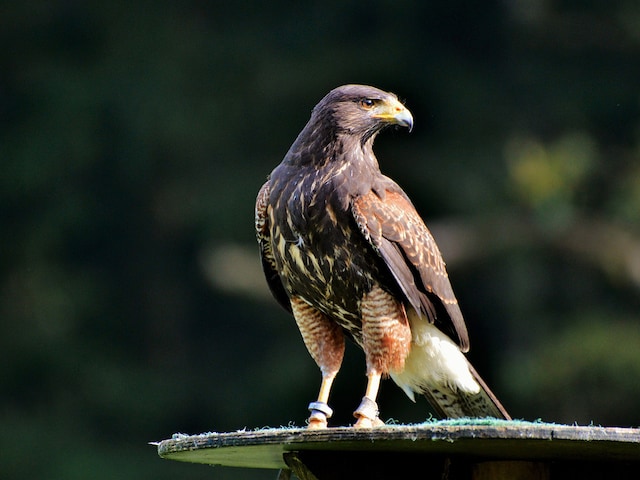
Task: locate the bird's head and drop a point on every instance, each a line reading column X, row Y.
column 362, row 110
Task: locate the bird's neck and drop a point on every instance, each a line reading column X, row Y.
column 358, row 151
column 322, row 144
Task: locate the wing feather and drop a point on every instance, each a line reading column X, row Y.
column 263, row 236
column 393, row 227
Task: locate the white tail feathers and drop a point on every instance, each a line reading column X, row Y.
column 434, row 361
column 438, row 369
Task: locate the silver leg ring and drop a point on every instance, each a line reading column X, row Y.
column 367, row 408
column 320, row 408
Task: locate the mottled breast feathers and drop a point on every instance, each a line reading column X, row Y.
column 389, row 222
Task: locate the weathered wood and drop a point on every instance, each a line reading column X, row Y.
column 477, row 449
column 297, row 466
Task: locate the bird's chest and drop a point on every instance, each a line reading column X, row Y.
column 320, row 252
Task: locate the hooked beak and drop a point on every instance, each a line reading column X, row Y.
column 394, row 112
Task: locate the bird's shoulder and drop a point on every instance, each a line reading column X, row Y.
column 386, row 211
column 391, row 224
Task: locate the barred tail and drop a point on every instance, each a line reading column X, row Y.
column 450, row 404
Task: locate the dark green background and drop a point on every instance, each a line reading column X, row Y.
column 135, row 135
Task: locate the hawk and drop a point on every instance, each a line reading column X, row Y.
column 344, row 250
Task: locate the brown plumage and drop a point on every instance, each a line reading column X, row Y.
column 344, row 250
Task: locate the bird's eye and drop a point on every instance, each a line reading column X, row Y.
column 367, row 103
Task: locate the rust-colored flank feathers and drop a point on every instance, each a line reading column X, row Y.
column 344, row 250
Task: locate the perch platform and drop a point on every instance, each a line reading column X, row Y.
column 453, row 449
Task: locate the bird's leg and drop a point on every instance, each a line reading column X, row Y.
column 367, row 411
column 386, row 341
column 320, row 410
column 325, row 342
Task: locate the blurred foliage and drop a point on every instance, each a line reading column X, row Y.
column 580, row 383
column 134, row 136
column 549, row 177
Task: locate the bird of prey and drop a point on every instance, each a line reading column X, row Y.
column 344, row 250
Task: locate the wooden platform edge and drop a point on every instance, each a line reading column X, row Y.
column 265, row 448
